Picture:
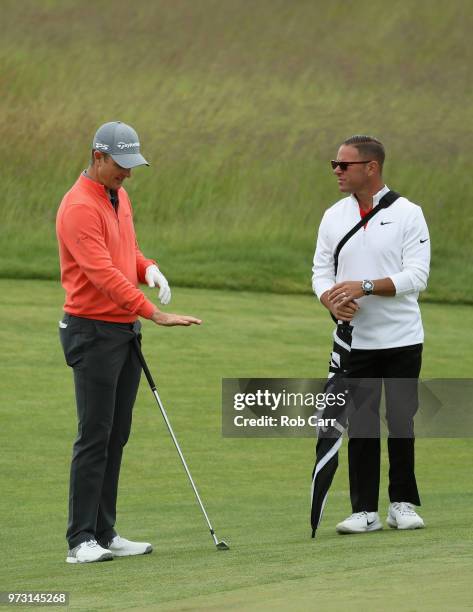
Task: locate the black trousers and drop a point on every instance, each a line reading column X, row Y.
column 106, row 377
column 401, row 405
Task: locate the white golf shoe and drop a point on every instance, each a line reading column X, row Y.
column 401, row 515
column 88, row 552
column 360, row 522
column 121, row 547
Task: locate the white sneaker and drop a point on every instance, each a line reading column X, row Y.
column 401, row 515
column 360, row 522
column 121, row 547
column 88, row 552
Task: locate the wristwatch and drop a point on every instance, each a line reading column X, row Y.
column 367, row 287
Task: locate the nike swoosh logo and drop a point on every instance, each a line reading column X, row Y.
column 386, row 222
column 370, row 522
column 422, row 241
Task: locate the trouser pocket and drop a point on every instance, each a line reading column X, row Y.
column 75, row 335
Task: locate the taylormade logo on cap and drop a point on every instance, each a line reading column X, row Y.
column 121, row 142
column 127, row 145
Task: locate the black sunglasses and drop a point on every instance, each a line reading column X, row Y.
column 344, row 165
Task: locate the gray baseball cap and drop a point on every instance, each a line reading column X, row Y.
column 121, row 142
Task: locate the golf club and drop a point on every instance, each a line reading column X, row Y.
column 220, row 545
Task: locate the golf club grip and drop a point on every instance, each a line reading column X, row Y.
column 137, row 347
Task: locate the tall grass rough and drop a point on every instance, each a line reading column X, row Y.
column 239, row 106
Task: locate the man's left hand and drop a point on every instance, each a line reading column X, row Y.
column 345, row 292
column 154, row 277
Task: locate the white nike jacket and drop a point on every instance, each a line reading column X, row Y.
column 394, row 244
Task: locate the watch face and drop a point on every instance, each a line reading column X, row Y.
column 368, row 286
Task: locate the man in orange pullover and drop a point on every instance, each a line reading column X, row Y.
column 101, row 266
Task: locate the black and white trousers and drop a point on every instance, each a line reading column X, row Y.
column 364, row 445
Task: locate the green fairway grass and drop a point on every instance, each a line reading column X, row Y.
column 255, row 491
column 239, row 105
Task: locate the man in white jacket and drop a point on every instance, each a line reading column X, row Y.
column 381, row 270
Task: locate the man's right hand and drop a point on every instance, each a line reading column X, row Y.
column 342, row 312
column 170, row 320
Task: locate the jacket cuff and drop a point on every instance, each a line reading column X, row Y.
column 146, row 309
column 403, row 283
column 321, row 285
column 142, row 266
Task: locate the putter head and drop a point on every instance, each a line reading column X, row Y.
column 223, row 545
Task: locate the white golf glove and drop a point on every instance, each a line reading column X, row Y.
column 154, row 278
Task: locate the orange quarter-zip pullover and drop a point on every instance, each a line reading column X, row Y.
column 101, row 263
